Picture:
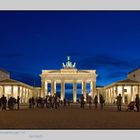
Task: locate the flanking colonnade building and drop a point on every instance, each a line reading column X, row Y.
column 14, row 88
column 128, row 88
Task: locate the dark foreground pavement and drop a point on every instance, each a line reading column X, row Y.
column 69, row 118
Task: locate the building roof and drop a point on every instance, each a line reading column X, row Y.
column 127, row 81
column 124, row 82
column 8, row 81
column 134, row 70
column 3, row 70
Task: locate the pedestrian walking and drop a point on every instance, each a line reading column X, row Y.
column 82, row 101
column 102, row 101
column 65, row 102
column 96, row 101
column 18, row 102
column 3, row 102
column 119, row 102
column 137, row 102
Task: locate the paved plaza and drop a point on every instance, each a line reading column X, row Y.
column 69, row 118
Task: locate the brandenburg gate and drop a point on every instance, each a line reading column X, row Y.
column 68, row 74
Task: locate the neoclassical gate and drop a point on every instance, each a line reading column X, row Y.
column 68, row 74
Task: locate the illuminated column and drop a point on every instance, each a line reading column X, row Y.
column 98, row 95
column 28, row 94
column 113, row 92
column 139, row 90
column 123, row 94
column 131, row 96
column 106, row 95
column 52, row 88
column 74, row 91
column 19, row 91
column 110, row 95
column 116, row 90
column 93, row 88
column 3, row 90
column 12, row 91
column 84, row 89
column 22, row 94
column 25, row 95
column 46, row 88
column 62, row 90
column 43, row 87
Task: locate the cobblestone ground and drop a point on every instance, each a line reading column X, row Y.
column 69, row 118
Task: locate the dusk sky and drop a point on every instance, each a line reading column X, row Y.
column 108, row 42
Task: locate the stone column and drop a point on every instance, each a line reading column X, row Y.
column 19, row 91
column 116, row 91
column 93, row 89
column 131, row 95
column 139, row 90
column 22, row 95
column 28, row 93
column 43, row 88
column 52, row 88
column 4, row 90
column 109, row 95
column 12, row 90
column 112, row 95
column 62, row 90
column 123, row 94
column 106, row 95
column 74, row 92
column 46, row 88
column 84, row 89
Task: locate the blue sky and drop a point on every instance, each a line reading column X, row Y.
column 107, row 41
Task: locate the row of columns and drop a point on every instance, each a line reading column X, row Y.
column 53, row 88
column 23, row 92
column 112, row 93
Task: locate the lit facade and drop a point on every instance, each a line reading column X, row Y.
column 127, row 88
column 68, row 74
column 13, row 88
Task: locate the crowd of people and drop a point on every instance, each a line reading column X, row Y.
column 48, row 102
column 53, row 101
column 11, row 103
column 88, row 100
